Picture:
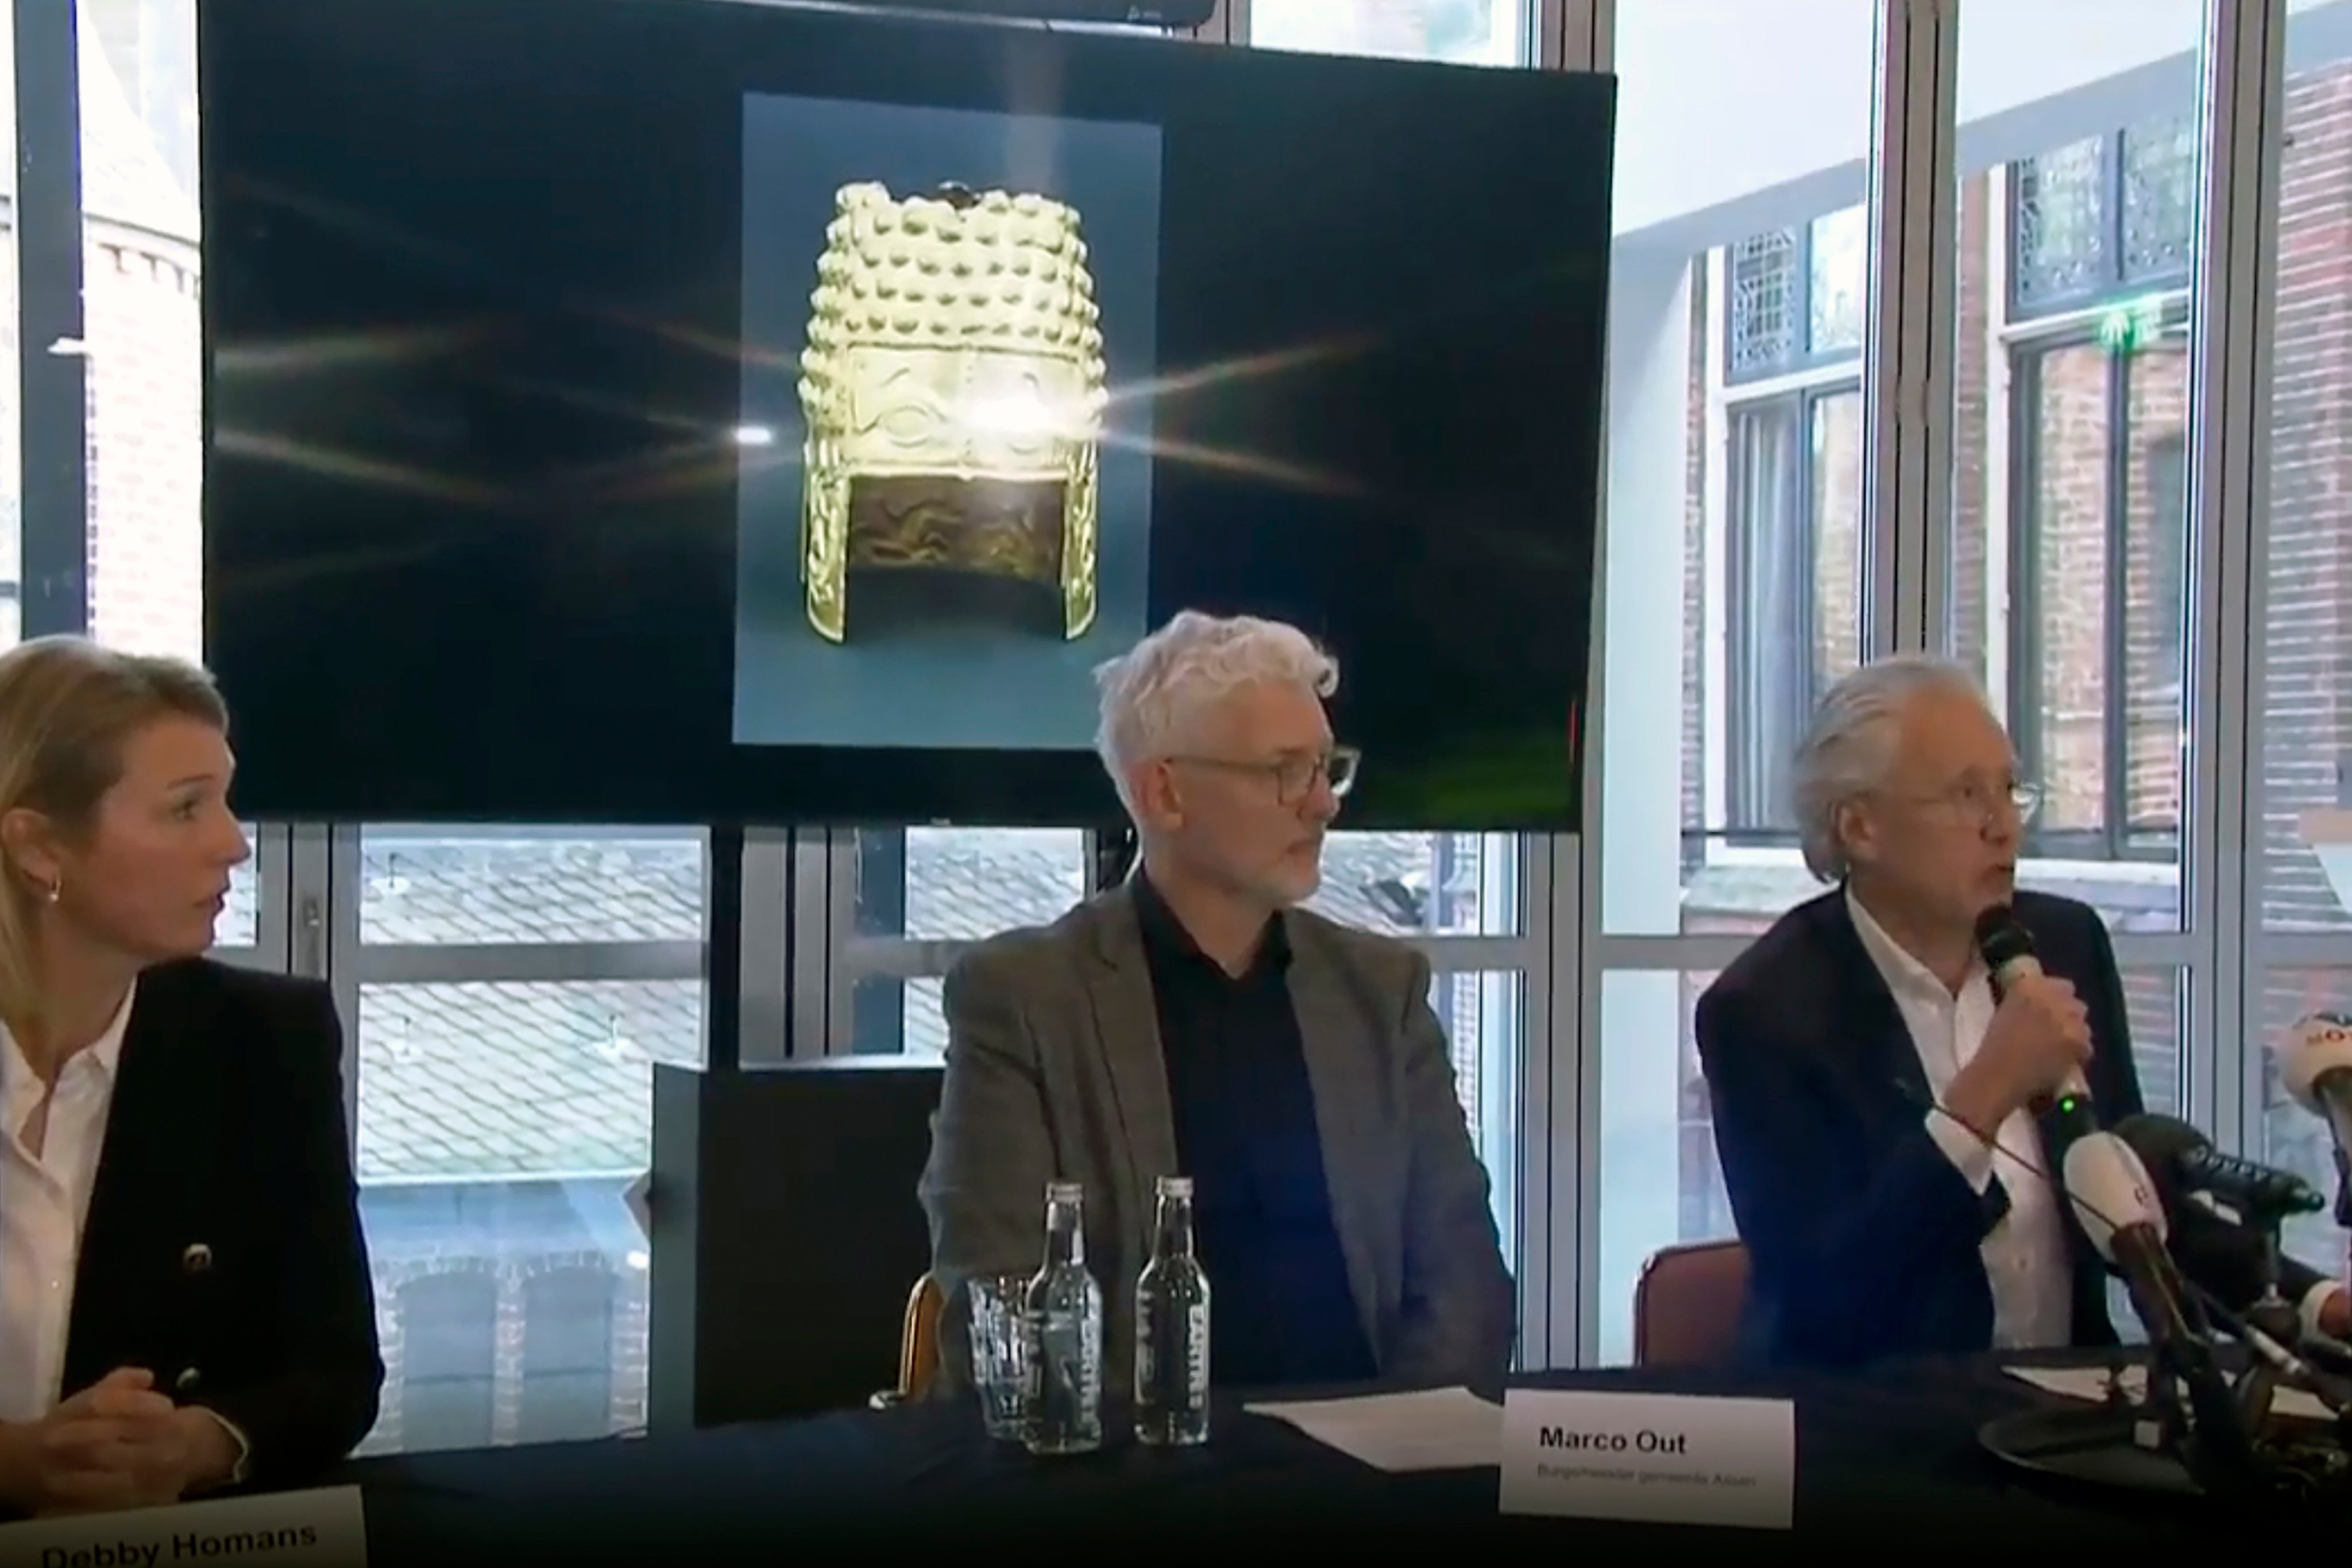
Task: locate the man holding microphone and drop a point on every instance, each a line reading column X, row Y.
column 1886, row 1112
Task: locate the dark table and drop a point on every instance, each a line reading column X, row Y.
column 1889, row 1456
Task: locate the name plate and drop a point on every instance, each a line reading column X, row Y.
column 1658, row 1458
column 321, row 1528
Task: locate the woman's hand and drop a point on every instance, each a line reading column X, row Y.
column 113, row 1445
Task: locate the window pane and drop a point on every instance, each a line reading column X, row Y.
column 509, row 1080
column 1483, row 1013
column 487, row 885
column 1737, row 307
column 141, row 308
column 240, row 924
column 1661, row 1184
column 2292, row 1138
column 500, row 1125
column 1422, row 884
column 1465, row 31
column 2070, row 543
column 940, row 884
column 507, row 1312
column 1837, row 265
column 2304, row 738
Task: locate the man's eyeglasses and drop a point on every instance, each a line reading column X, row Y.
column 1296, row 774
column 1975, row 802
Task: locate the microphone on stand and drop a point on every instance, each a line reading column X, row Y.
column 2315, row 1068
column 2183, row 1162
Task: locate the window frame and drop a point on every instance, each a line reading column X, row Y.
column 2117, row 839
column 2115, row 281
column 1748, row 820
column 1805, row 359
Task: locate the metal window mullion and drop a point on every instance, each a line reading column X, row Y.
column 814, row 937
column 1547, row 1302
column 327, row 913
column 1563, row 1091
column 51, row 370
column 2241, row 102
column 525, row 964
column 1907, row 346
column 2296, row 950
column 765, row 966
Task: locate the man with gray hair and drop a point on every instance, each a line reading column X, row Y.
column 1880, row 1112
column 1193, row 1021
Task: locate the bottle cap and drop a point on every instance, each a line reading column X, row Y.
column 1064, row 1191
column 1175, row 1186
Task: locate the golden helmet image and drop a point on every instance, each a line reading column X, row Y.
column 953, row 391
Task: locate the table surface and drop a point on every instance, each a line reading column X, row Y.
column 1889, row 1456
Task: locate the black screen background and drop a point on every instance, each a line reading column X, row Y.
column 472, row 282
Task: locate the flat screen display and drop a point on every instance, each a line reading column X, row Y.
column 691, row 411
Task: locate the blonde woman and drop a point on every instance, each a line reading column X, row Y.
column 184, row 1302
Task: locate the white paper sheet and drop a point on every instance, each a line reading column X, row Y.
column 2091, row 1382
column 1430, row 1429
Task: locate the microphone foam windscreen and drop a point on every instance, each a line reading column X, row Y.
column 1999, row 938
column 2318, row 1043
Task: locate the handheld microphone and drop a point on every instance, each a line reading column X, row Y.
column 2007, row 949
column 2171, row 1148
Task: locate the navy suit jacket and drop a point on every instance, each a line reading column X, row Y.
column 222, row 1249
column 1863, row 1240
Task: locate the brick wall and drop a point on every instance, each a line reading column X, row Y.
column 2307, row 709
column 142, row 324
column 1837, row 441
column 1695, row 456
column 1973, row 593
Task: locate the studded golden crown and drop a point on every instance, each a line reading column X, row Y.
column 953, row 390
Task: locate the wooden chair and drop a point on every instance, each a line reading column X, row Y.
column 919, row 1345
column 1687, row 1303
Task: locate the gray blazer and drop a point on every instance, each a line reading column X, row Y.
column 1054, row 1072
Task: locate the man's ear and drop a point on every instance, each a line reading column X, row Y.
column 1159, row 803
column 1856, row 833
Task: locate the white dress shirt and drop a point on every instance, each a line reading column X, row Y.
column 46, row 1173
column 2025, row 1257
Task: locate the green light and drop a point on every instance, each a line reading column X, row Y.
column 2131, row 326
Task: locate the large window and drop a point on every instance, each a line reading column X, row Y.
column 1792, row 561
column 1736, row 537
column 2299, row 941
column 2091, row 328
column 2303, row 739
column 2068, row 571
column 1733, row 588
column 514, row 990
column 1464, row 32
column 142, row 322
